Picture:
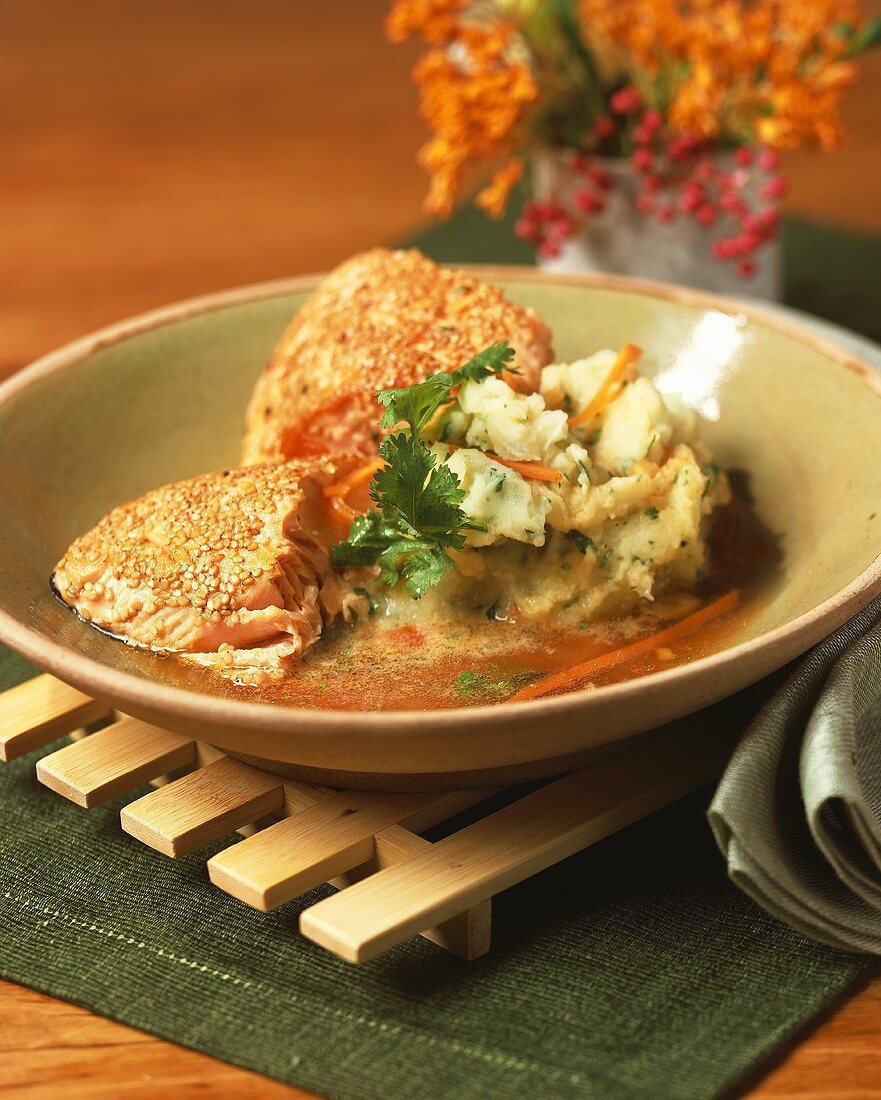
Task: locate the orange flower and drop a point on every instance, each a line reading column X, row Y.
column 433, row 20
column 494, row 197
column 734, row 69
column 475, row 93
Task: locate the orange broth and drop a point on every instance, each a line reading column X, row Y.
column 381, row 664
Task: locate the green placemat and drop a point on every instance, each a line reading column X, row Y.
column 631, row 969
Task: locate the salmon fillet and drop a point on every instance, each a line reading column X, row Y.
column 383, row 318
column 230, row 570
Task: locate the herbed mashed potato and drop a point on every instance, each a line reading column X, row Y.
column 628, row 519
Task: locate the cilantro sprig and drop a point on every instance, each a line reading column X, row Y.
column 416, row 405
column 418, row 517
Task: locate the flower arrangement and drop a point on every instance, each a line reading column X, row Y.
column 698, row 96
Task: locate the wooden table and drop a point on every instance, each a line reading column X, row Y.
column 153, row 149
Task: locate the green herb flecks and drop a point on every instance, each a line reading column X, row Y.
column 713, row 473
column 466, row 683
column 583, row 543
column 478, row 683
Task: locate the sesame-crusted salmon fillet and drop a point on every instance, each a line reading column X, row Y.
column 383, row 318
column 230, row 570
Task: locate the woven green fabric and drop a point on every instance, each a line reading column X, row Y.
column 634, row 968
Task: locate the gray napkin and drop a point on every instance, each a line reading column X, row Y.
column 798, row 811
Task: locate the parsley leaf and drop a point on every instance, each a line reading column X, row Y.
column 491, row 360
column 418, row 517
column 417, row 520
column 415, row 405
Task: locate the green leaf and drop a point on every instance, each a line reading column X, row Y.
column 866, row 38
column 416, row 521
column 418, row 517
column 415, row 405
column 416, row 495
column 583, row 543
column 368, row 537
column 425, row 569
column 491, row 360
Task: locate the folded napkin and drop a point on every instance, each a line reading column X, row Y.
column 798, row 811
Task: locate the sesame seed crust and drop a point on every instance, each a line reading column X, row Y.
column 223, row 562
column 383, row 318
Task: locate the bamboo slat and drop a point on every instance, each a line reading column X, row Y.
column 117, row 759
column 330, row 837
column 510, row 845
column 41, row 710
column 205, row 805
column 393, row 883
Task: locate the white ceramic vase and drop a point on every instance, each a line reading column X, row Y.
column 622, row 241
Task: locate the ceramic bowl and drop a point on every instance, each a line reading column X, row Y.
column 162, row 396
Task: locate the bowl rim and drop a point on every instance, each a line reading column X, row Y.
column 794, row 637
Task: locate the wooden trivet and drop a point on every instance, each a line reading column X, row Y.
column 393, row 883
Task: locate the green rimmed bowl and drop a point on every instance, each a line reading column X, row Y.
column 162, row 397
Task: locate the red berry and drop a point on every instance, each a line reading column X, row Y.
column 645, row 204
column 705, row 214
column 587, row 201
column 733, row 204
column 688, row 202
column 775, row 188
column 625, row 101
column 722, row 249
column 652, row 182
column 642, row 136
column 769, row 160
column 525, row 229
column 642, row 160
column 600, row 177
column 751, row 223
column 549, row 249
column 770, row 219
column 652, row 119
column 561, row 227
column 578, row 162
column 666, row 213
column 603, row 128
column 746, row 269
column 743, row 157
column 705, row 171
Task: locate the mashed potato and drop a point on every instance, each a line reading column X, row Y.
column 626, row 519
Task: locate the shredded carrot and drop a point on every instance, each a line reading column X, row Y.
column 535, row 470
column 342, row 488
column 568, row 677
column 627, row 357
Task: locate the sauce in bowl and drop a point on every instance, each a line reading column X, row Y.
column 383, row 664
